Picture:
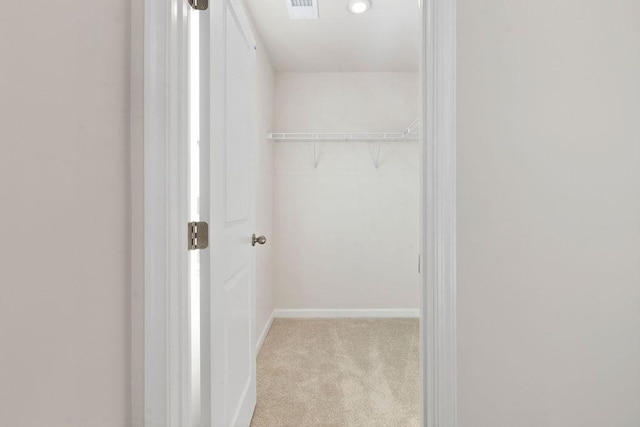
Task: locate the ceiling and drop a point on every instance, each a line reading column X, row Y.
column 386, row 38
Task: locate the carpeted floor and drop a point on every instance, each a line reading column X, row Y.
column 339, row 372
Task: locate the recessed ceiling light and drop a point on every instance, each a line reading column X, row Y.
column 359, row 6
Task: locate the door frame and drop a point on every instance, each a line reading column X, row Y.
column 159, row 338
column 160, row 335
column 438, row 239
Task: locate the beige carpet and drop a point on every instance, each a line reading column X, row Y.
column 339, row 372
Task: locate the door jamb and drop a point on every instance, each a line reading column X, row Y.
column 157, row 371
column 438, row 239
column 160, row 393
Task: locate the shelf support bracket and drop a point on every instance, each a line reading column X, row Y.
column 315, row 154
column 377, row 162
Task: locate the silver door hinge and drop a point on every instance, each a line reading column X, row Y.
column 198, row 233
column 199, row 4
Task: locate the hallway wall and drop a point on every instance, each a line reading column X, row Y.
column 548, row 213
column 64, row 221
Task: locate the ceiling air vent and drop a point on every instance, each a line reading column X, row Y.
column 303, row 9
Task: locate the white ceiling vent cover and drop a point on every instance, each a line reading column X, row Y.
column 303, row 9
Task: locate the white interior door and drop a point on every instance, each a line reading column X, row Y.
column 227, row 150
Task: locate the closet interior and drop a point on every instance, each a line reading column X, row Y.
column 338, row 164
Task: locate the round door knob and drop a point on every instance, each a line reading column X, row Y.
column 260, row 240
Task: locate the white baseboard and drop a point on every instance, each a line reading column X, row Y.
column 265, row 332
column 344, row 313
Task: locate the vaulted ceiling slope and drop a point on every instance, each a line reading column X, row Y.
column 384, row 39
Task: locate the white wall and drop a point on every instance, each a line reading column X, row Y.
column 346, row 234
column 265, row 268
column 64, row 216
column 549, row 213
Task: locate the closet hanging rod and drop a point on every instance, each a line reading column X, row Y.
column 407, row 135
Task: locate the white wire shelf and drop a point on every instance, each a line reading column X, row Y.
column 410, row 134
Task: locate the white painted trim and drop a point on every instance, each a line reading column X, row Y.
column 166, row 337
column 438, row 332
column 346, row 313
column 265, row 332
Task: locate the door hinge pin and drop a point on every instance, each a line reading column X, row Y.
column 198, row 235
column 199, row 4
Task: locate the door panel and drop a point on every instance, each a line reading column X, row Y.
column 239, row 338
column 229, row 273
column 239, row 140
